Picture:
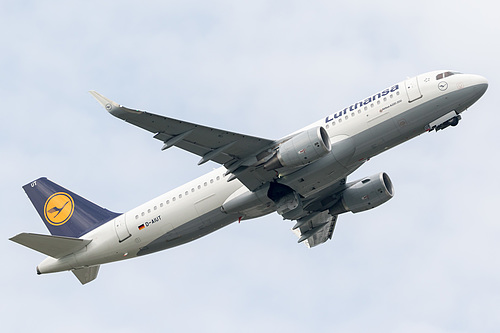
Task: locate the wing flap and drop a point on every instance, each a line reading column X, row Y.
column 316, row 228
column 53, row 246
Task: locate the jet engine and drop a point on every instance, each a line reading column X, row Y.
column 302, row 149
column 364, row 194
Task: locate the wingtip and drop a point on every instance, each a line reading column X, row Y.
column 106, row 102
column 112, row 107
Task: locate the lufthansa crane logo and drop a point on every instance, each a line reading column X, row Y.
column 58, row 208
column 443, row 86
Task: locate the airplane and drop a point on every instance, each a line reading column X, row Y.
column 302, row 177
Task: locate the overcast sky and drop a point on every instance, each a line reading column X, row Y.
column 426, row 261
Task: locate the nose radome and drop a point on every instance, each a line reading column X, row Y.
column 480, row 82
column 476, row 86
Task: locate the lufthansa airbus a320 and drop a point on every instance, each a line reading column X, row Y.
column 302, row 177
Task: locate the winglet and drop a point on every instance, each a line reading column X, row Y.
column 106, row 102
column 114, row 108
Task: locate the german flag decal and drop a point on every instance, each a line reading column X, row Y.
column 141, row 227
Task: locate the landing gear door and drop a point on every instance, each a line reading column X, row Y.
column 121, row 228
column 412, row 89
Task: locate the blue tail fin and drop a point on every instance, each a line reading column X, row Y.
column 64, row 212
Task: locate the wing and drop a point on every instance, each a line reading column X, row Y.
column 239, row 153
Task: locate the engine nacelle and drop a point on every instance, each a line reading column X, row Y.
column 302, row 149
column 365, row 194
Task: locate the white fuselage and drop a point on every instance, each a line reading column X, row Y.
column 367, row 128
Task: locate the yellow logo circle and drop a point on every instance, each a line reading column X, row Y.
column 58, row 208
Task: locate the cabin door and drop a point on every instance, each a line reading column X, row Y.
column 121, row 228
column 412, row 89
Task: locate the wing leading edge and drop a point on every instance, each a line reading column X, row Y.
column 239, row 153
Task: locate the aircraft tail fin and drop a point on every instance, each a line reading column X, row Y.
column 86, row 274
column 65, row 213
column 53, row 246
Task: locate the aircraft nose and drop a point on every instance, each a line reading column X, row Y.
column 479, row 83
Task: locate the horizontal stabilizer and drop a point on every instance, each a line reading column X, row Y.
column 86, row 274
column 53, row 246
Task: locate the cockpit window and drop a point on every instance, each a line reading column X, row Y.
column 445, row 74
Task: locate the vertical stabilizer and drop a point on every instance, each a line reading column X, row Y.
column 86, row 274
column 64, row 212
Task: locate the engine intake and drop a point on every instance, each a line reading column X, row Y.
column 302, row 149
column 365, row 194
